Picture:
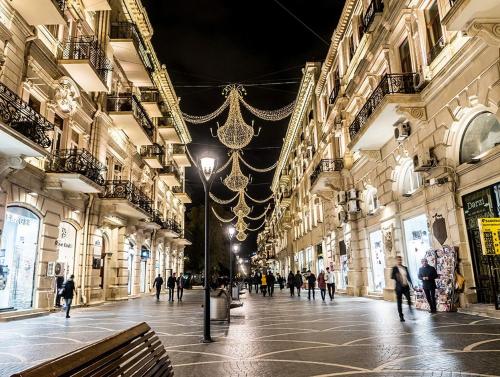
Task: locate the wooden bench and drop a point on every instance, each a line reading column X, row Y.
column 133, row 352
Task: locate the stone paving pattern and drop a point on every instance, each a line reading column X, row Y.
column 279, row 336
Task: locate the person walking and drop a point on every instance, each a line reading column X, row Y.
column 271, row 280
column 157, row 284
column 297, row 280
column 291, row 283
column 171, row 286
column 330, row 282
column 428, row 275
column 256, row 281
column 59, row 290
column 68, row 293
column 180, row 287
column 281, row 282
column 249, row 283
column 322, row 284
column 263, row 284
column 311, row 284
column 403, row 281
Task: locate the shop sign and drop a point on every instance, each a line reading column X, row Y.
column 489, row 229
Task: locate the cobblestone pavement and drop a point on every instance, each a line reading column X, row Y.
column 279, row 336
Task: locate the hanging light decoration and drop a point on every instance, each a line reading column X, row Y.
column 236, row 181
column 241, row 226
column 241, row 209
column 241, row 236
column 235, row 133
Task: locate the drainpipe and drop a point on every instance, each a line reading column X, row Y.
column 86, row 236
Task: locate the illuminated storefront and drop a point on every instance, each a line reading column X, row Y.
column 66, row 248
column 377, row 259
column 417, row 244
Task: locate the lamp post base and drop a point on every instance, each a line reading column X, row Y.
column 207, row 340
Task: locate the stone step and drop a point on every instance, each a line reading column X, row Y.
column 22, row 314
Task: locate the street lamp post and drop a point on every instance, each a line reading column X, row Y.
column 231, row 231
column 235, row 249
column 207, row 165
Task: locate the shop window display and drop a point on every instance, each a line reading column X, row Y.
column 18, row 255
column 417, row 243
column 377, row 261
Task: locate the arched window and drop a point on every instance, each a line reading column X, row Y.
column 481, row 134
column 410, row 180
column 371, row 201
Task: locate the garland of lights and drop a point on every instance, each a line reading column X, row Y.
column 258, row 217
column 264, row 170
column 270, row 115
column 220, row 218
column 256, row 229
column 222, row 201
column 259, row 201
column 199, row 119
column 226, row 164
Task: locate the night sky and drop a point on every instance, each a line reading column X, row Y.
column 207, row 44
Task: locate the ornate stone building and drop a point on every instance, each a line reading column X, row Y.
column 400, row 151
column 92, row 153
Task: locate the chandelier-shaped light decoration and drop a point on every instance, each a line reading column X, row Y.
column 241, row 209
column 241, row 226
column 241, row 236
column 236, row 181
column 235, row 133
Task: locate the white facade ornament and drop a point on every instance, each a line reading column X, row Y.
column 67, row 95
column 488, row 30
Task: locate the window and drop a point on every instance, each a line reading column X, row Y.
column 58, row 131
column 433, row 25
column 481, row 134
column 35, row 104
column 410, row 179
column 74, row 140
column 371, row 201
column 405, row 56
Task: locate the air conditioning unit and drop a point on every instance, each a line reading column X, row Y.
column 402, row 131
column 341, row 197
column 353, row 193
column 353, row 206
column 419, row 81
column 424, row 161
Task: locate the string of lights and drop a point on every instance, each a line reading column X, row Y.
column 270, row 115
column 263, row 170
column 220, row 218
column 258, row 217
column 199, row 119
column 222, row 201
column 256, row 229
column 260, row 201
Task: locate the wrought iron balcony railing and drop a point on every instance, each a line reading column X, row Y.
column 376, row 6
column 171, row 169
column 178, row 149
column 156, row 217
column 335, row 91
column 128, row 30
column 87, row 48
column 435, row 50
column 153, row 151
column 129, row 102
column 327, row 165
column 78, row 161
column 171, row 224
column 123, row 189
column 23, row 118
column 398, row 83
column 150, row 95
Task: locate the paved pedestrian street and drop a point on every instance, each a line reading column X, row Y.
column 279, row 336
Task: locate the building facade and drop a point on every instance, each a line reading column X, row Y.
column 92, row 153
column 403, row 131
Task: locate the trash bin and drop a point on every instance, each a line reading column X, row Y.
column 236, row 292
column 219, row 305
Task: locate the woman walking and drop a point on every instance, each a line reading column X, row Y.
column 322, row 284
column 298, row 281
column 263, row 284
column 291, row 284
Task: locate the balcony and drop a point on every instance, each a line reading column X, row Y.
column 150, row 99
column 153, row 155
column 373, row 125
column 170, row 175
column 23, row 131
column 129, row 115
column 75, row 170
column 167, row 130
column 41, row 12
column 126, row 199
column 181, row 194
column 335, row 92
column 435, row 50
column 463, row 13
column 96, row 5
column 184, row 237
column 87, row 63
column 130, row 50
column 286, row 199
column 170, row 228
column 373, row 11
column 327, row 175
column 286, row 221
column 180, row 156
column 154, row 222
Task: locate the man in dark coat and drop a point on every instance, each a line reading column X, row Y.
column 256, row 281
column 180, row 287
column 291, row 283
column 271, row 280
column 298, row 282
column 171, row 286
column 68, row 293
column 428, row 275
column 157, row 284
column 403, row 281
column 311, row 285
